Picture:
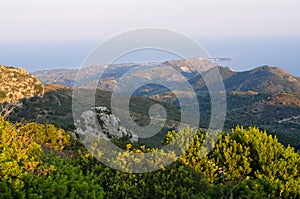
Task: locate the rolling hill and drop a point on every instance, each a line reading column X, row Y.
column 264, row 79
column 16, row 84
column 266, row 96
column 67, row 77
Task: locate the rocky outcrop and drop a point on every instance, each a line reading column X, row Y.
column 16, row 84
column 109, row 125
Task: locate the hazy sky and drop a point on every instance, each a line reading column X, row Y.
column 36, row 20
column 40, row 34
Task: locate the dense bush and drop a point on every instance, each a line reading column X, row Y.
column 251, row 162
column 247, row 163
column 27, row 172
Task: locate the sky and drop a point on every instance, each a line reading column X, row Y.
column 59, row 34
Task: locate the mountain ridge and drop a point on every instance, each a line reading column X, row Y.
column 262, row 79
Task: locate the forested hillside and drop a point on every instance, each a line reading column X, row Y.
column 263, row 79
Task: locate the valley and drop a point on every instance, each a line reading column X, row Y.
column 261, row 97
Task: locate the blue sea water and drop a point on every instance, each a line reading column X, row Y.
column 247, row 53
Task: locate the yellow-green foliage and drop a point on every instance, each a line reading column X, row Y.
column 19, row 154
column 26, row 172
column 48, row 135
column 248, row 163
column 246, row 155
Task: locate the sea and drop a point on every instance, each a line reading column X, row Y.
column 245, row 53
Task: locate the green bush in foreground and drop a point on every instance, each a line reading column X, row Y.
column 247, row 163
column 26, row 172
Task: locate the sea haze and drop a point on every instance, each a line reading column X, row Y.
column 247, row 53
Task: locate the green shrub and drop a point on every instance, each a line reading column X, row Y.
column 2, row 94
